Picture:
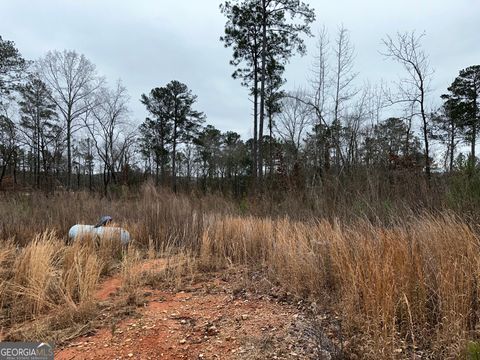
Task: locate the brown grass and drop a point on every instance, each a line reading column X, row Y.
column 411, row 286
column 48, row 287
column 154, row 214
column 409, row 283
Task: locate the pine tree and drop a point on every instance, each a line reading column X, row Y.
column 463, row 99
column 264, row 34
column 38, row 122
column 12, row 67
column 176, row 120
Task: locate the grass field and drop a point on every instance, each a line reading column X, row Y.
column 407, row 288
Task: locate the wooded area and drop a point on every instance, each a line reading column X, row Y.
column 62, row 125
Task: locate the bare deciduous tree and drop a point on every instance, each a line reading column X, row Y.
column 343, row 78
column 107, row 124
column 406, row 49
column 320, row 75
column 72, row 79
column 293, row 121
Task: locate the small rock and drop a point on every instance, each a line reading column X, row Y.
column 130, row 355
column 244, row 317
column 212, row 330
column 183, row 341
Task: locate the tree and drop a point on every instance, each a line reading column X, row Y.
column 462, row 102
column 343, row 77
column 330, row 99
column 243, row 34
column 287, row 41
column 233, row 154
column 178, row 122
column 38, row 122
column 12, row 70
column 407, row 50
column 8, row 144
column 12, row 67
column 390, row 144
column 273, row 106
column 186, row 120
column 208, row 144
column 265, row 34
column 293, row 122
column 445, row 127
column 108, row 127
column 73, row 80
column 320, row 74
column 154, row 141
column 85, row 150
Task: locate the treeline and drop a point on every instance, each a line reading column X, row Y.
column 60, row 121
column 61, row 124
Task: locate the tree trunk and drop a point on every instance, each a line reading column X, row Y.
column 2, row 174
column 474, row 131
column 425, row 131
column 69, row 148
column 157, row 163
column 473, row 145
column 255, row 126
column 90, row 183
column 162, row 163
column 270, row 125
column 452, row 144
column 106, row 180
column 174, row 151
column 174, row 162
column 262, row 89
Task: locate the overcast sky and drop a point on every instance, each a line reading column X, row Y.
column 147, row 43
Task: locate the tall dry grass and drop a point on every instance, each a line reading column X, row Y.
column 43, row 277
column 411, row 286
column 153, row 213
column 48, row 288
column 409, row 281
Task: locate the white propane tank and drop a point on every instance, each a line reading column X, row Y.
column 102, row 233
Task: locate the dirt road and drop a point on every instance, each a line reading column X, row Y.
column 212, row 318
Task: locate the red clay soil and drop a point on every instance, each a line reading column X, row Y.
column 109, row 287
column 207, row 320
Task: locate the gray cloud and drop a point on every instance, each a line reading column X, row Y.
column 147, row 43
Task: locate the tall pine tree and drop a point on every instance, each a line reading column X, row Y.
column 264, row 33
column 462, row 100
column 38, row 122
column 176, row 119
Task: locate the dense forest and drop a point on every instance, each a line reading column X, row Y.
column 64, row 126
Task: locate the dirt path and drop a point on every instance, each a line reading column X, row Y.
column 213, row 318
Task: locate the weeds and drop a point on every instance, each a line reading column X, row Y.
column 408, row 286
column 404, row 285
